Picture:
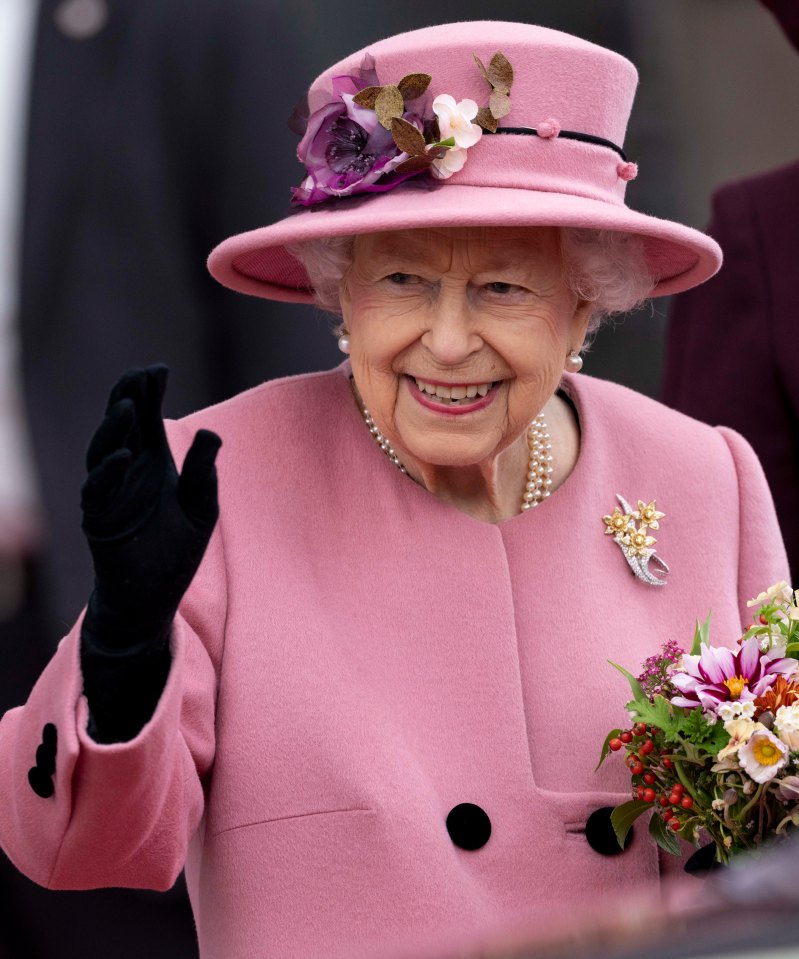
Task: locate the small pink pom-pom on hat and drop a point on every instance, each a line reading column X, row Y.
column 568, row 169
column 548, row 128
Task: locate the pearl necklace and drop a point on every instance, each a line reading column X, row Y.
column 539, row 468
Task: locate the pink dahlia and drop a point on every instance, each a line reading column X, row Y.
column 719, row 675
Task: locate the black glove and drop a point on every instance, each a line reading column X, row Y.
column 147, row 528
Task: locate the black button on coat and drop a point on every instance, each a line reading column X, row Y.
column 41, row 775
column 468, row 826
column 600, row 835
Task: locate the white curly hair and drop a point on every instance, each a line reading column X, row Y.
column 604, row 267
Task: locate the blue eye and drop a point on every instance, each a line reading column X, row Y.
column 399, row 279
column 502, row 288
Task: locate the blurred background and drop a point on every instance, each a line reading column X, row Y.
column 134, row 136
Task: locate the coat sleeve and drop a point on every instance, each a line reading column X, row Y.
column 762, row 560
column 76, row 814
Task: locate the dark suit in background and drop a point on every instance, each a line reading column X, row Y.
column 148, row 143
column 731, row 349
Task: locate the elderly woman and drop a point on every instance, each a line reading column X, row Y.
column 364, row 708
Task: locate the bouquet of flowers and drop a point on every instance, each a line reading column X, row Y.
column 713, row 746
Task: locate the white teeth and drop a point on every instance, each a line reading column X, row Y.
column 453, row 392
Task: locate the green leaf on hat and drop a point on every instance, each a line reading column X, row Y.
column 414, row 85
column 367, row 97
column 388, row 105
column 407, row 137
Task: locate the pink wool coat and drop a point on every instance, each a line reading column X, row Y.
column 355, row 658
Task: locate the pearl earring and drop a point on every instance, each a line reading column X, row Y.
column 344, row 342
column 574, row 362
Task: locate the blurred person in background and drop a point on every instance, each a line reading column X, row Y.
column 730, row 356
column 133, row 136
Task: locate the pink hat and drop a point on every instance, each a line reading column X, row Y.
column 560, row 161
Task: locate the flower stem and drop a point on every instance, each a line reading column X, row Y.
column 752, row 801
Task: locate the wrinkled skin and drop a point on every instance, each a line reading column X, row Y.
column 465, row 306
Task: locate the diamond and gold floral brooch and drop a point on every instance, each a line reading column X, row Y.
column 634, row 540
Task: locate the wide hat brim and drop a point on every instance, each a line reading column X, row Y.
column 571, row 173
column 257, row 262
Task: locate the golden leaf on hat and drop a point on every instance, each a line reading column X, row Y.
column 414, row 85
column 388, row 105
column 500, row 77
column 486, row 120
column 367, row 97
column 407, row 137
column 481, row 67
column 500, row 73
column 415, row 164
column 499, row 104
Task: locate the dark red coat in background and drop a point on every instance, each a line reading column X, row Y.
column 731, row 354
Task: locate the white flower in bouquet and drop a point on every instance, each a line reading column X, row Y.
column 741, row 731
column 778, row 593
column 786, row 725
column 762, row 756
column 736, row 709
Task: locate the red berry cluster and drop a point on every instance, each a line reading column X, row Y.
column 653, row 776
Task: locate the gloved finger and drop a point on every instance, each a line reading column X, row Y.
column 104, row 482
column 197, row 484
column 112, row 433
column 151, row 417
column 130, row 385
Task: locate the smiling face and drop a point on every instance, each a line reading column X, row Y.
column 459, row 336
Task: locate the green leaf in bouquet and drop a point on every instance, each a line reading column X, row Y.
column 623, row 817
column 659, row 713
column 702, row 734
column 638, row 693
column 701, row 635
column 664, row 836
column 606, row 746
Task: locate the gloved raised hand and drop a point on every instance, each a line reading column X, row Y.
column 147, row 529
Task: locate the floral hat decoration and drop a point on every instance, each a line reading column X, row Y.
column 467, row 124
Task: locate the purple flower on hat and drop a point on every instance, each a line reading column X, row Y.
column 345, row 149
column 719, row 675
